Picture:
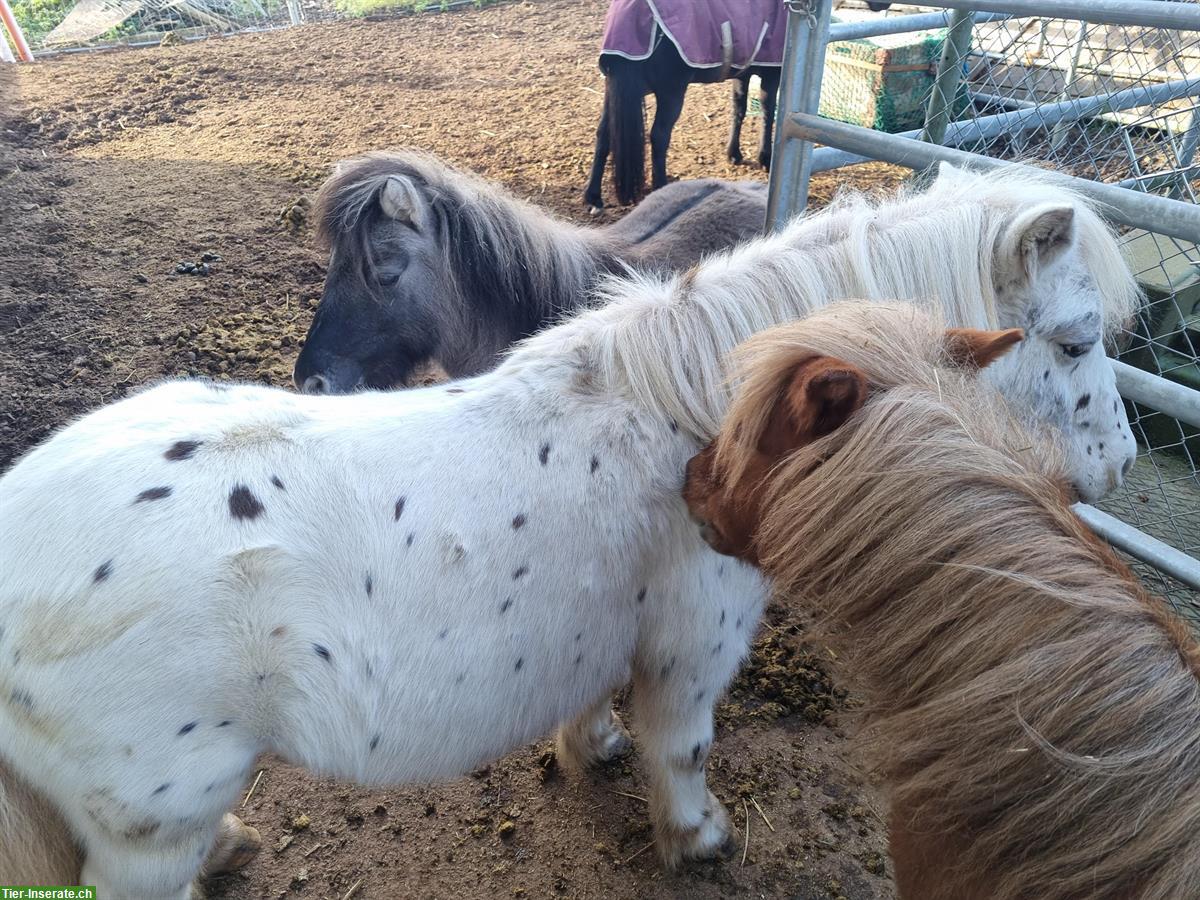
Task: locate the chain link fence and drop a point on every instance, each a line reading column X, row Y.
column 65, row 26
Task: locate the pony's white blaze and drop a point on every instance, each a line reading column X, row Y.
column 390, row 587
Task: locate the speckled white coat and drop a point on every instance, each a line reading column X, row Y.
column 383, row 587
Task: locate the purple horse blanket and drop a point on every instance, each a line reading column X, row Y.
column 732, row 34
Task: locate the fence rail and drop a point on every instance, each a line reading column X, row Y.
column 1105, row 89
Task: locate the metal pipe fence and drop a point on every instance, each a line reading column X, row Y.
column 1105, row 94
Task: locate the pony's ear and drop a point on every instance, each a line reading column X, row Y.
column 973, row 348
column 821, row 393
column 400, row 200
column 1035, row 239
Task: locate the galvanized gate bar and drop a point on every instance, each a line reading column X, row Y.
column 1141, row 546
column 1173, row 218
column 1147, row 13
column 1029, row 117
column 949, row 74
column 800, row 91
column 1175, row 400
column 1071, row 110
column 853, row 31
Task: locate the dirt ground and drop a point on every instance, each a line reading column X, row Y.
column 116, row 167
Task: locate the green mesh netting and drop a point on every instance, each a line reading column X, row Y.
column 881, row 83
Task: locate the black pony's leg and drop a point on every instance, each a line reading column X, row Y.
column 737, row 105
column 768, row 94
column 592, row 193
column 668, row 106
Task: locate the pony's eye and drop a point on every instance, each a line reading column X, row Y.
column 388, row 280
column 1076, row 350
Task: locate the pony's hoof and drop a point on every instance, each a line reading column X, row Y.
column 237, row 844
column 711, row 839
column 596, row 210
column 764, row 160
column 736, row 158
column 616, row 742
column 580, row 748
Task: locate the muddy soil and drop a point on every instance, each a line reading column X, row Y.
column 115, row 168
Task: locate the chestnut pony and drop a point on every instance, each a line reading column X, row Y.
column 1034, row 713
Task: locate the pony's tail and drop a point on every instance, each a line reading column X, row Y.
column 626, row 131
column 36, row 846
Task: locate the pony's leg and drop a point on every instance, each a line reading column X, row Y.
column 592, row 193
column 673, row 708
column 737, row 106
column 668, row 106
column 237, row 843
column 595, row 737
column 135, row 868
column 768, row 94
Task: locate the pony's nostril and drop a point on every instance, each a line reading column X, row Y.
column 315, row 384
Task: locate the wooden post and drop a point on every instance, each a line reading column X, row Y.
column 14, row 30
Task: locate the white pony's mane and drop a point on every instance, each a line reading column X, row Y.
column 663, row 341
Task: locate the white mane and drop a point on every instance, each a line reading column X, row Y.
column 663, row 341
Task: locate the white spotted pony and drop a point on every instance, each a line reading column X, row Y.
column 390, row 587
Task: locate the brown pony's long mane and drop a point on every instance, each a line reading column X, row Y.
column 1028, row 699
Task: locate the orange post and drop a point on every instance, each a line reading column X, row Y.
column 14, row 31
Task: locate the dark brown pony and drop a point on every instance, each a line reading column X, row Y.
column 1034, row 713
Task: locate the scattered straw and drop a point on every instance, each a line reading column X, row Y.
column 746, row 843
column 253, row 787
column 353, row 889
column 630, row 796
column 761, row 813
column 639, row 853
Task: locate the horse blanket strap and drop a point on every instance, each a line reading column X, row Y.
column 709, row 34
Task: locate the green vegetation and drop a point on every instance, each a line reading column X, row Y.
column 37, row 18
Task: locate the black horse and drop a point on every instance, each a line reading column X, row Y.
column 666, row 75
column 622, row 129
